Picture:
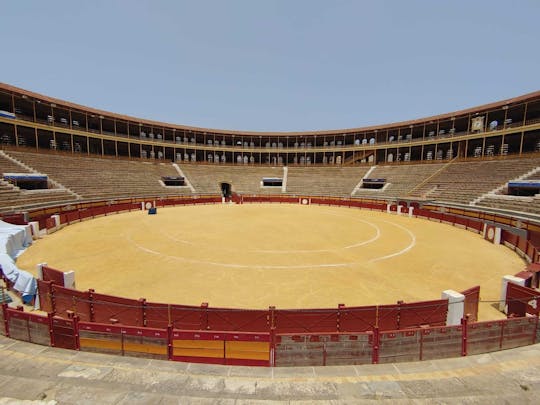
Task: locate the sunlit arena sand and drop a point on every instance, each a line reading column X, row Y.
column 290, row 256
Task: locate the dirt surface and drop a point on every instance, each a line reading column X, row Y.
column 290, row 256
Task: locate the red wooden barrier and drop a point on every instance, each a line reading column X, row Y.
column 72, row 216
column 510, row 238
column 68, row 302
column 50, row 223
column 65, row 333
column 110, row 309
column 28, row 327
column 238, row 320
column 304, row 321
column 45, row 294
column 15, row 219
column 472, row 299
column 357, row 319
column 249, row 349
column 52, row 275
column 322, row 349
column 426, row 313
column 522, row 300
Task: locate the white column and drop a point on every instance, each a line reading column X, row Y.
column 388, row 208
column 411, row 212
column 504, row 286
column 35, row 229
column 39, row 269
column 456, row 307
column 497, row 238
column 399, row 208
column 56, row 221
column 69, row 279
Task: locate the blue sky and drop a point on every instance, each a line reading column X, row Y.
column 273, row 65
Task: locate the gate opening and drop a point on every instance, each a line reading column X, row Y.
column 226, row 190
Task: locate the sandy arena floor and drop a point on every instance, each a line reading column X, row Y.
column 290, row 256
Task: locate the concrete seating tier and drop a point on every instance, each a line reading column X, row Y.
column 206, row 179
column 12, row 198
column 400, row 179
column 513, row 203
column 463, row 182
column 9, row 166
column 324, row 181
column 94, row 178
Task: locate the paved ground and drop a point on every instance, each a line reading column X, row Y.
column 44, row 375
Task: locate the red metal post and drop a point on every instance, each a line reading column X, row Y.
column 53, row 301
column 464, row 335
column 76, row 332
column 501, row 336
column 204, row 317
column 6, row 321
column 51, row 334
column 170, row 342
column 142, row 301
column 376, row 346
column 272, row 347
column 398, row 321
column 122, row 333
column 272, row 317
column 340, row 307
column 421, row 331
column 535, row 327
column 91, row 299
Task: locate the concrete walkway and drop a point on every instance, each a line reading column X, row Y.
column 35, row 374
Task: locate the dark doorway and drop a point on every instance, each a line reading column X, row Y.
column 226, row 190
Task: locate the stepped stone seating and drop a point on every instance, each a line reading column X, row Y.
column 462, row 182
column 9, row 166
column 513, row 203
column 206, row 179
column 400, row 179
column 324, row 181
column 94, row 178
column 13, row 198
column 535, row 176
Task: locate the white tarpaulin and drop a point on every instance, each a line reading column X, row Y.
column 13, row 240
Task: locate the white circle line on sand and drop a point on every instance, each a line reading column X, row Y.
column 366, row 242
column 277, row 251
column 235, row 265
column 304, row 266
column 400, row 252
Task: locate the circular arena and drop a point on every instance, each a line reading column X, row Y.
column 283, row 255
column 405, row 242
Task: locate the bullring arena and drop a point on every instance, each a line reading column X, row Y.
column 392, row 262
column 289, row 256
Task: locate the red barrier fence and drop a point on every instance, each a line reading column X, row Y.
column 15, row 219
column 86, row 320
column 522, row 300
column 124, row 340
column 521, row 245
column 26, row 326
column 271, row 349
column 483, row 337
column 94, row 307
column 52, row 275
column 472, row 298
column 323, row 349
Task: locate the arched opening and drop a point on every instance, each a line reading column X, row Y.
column 226, row 190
